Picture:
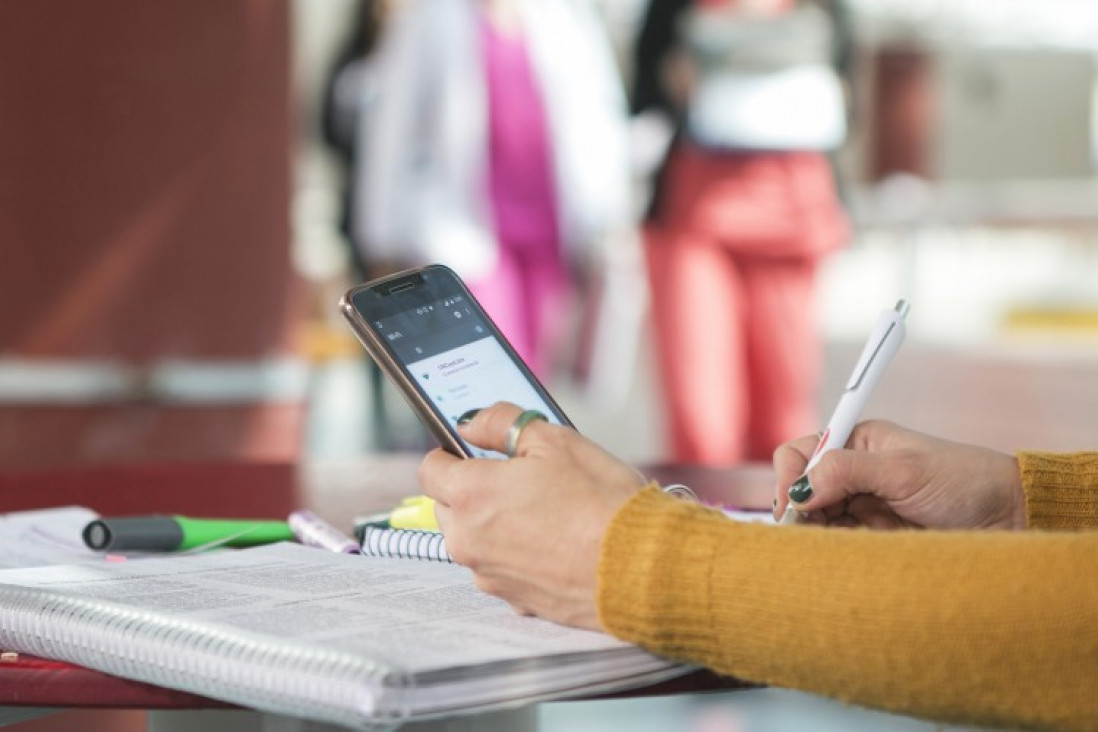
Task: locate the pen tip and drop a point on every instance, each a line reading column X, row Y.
column 902, row 307
column 791, row 516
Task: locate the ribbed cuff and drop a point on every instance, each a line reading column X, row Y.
column 646, row 558
column 1061, row 489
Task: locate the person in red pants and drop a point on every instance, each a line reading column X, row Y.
column 734, row 243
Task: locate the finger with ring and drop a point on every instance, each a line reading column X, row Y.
column 510, row 445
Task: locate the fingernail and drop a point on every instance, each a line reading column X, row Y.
column 467, row 417
column 801, row 490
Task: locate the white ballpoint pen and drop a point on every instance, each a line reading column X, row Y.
column 882, row 345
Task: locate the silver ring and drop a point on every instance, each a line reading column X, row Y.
column 510, row 445
column 678, row 490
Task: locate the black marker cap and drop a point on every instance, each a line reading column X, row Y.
column 136, row 533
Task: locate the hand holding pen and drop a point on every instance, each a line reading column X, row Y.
column 882, row 345
column 891, row 477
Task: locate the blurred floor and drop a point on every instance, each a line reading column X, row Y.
column 988, row 360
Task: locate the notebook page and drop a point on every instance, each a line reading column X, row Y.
column 413, row 616
column 46, row 536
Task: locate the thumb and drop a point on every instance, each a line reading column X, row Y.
column 841, row 474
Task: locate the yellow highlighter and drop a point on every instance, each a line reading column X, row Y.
column 414, row 512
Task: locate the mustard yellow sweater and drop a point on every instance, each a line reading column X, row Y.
column 978, row 627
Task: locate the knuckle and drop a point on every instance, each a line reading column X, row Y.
column 501, row 412
column 788, row 458
column 494, row 421
column 833, row 469
column 551, row 434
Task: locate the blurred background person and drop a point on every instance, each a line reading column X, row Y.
column 349, row 94
column 743, row 210
column 497, row 146
column 350, row 91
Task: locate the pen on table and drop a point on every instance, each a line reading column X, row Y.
column 414, row 512
column 311, row 530
column 882, row 345
column 177, row 533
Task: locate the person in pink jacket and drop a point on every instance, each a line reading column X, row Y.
column 497, row 146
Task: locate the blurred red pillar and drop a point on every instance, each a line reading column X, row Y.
column 144, row 220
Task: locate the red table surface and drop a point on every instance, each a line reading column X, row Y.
column 33, row 682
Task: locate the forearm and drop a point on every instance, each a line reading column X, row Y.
column 954, row 626
column 1061, row 489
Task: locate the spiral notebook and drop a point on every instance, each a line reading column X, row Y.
column 376, row 541
column 346, row 639
column 402, row 543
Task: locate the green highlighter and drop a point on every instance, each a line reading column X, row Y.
column 176, row 533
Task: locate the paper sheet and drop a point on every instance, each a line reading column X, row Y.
column 47, row 536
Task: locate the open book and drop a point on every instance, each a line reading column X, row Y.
column 294, row 630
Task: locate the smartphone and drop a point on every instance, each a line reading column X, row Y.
column 443, row 352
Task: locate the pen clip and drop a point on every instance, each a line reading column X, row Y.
column 872, row 349
column 890, row 322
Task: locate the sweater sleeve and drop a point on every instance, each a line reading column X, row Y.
column 1061, row 489
column 994, row 628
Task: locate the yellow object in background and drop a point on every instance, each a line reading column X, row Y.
column 1062, row 321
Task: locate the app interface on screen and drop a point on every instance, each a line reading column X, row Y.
column 457, row 362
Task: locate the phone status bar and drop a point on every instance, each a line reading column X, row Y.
column 432, row 328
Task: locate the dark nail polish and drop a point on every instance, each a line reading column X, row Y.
column 467, row 417
column 801, row 490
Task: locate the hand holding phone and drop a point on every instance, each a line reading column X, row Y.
column 430, row 336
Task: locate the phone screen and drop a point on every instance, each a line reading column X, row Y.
column 453, row 353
